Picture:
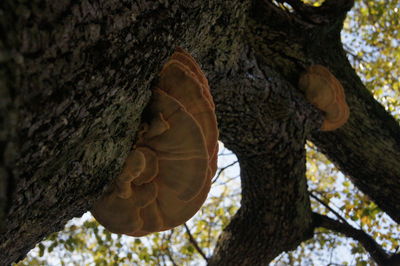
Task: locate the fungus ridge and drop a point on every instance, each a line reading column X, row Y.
column 179, row 82
column 167, row 177
column 187, row 60
column 141, row 192
column 324, row 91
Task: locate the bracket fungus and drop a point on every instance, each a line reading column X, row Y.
column 167, row 176
column 324, row 91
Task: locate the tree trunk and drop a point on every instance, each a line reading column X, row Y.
column 76, row 76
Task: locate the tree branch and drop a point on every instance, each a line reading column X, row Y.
column 168, row 252
column 370, row 245
column 223, row 169
column 329, row 208
column 328, row 12
column 194, row 243
column 348, row 147
column 81, row 92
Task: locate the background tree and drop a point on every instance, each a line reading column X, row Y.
column 75, row 77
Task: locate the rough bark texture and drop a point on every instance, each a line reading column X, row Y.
column 75, row 77
column 274, row 118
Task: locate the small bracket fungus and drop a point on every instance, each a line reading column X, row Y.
column 327, row 94
column 167, row 176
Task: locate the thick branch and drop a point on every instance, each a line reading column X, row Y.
column 367, row 147
column 275, row 208
column 370, row 245
column 79, row 77
column 330, row 11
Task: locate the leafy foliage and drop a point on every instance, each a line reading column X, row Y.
column 373, row 30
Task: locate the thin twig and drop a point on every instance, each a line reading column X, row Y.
column 170, row 257
column 340, row 217
column 209, row 234
column 228, row 180
column 223, row 169
column 194, row 243
column 349, row 51
column 370, row 245
column 225, row 154
column 169, row 251
column 329, row 208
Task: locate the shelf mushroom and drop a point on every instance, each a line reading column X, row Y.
column 167, row 176
column 327, row 94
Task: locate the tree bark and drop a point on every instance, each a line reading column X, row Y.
column 76, row 76
column 365, row 148
column 275, row 213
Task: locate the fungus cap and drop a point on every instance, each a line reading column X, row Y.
column 324, row 91
column 178, row 80
column 186, row 59
column 167, row 177
column 177, row 158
